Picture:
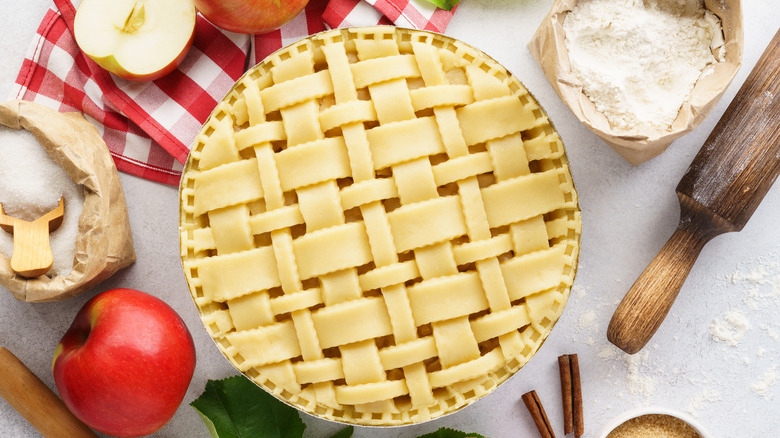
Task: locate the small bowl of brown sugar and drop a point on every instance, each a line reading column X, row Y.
column 654, row 422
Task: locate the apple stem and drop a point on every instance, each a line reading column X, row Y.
column 136, row 18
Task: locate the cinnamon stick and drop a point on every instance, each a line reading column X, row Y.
column 564, row 367
column 538, row 414
column 571, row 394
column 579, row 420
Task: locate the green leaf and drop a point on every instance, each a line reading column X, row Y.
column 237, row 408
column 450, row 433
column 445, row 4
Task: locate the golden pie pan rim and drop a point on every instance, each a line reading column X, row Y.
column 496, row 382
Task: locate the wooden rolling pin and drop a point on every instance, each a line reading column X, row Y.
column 38, row 404
column 722, row 188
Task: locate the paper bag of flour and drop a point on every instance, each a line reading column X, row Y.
column 549, row 49
column 104, row 243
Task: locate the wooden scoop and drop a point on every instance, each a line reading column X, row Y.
column 32, row 255
column 722, row 188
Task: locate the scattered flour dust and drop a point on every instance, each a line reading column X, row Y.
column 767, row 381
column 644, row 375
column 638, row 379
column 586, row 319
column 761, row 282
column 731, row 329
column 638, row 60
column 31, row 184
column 700, row 401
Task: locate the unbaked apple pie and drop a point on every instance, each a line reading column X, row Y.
column 378, row 225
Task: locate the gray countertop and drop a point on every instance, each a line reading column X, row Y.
column 729, row 383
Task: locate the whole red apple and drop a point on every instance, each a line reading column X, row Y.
column 250, row 16
column 124, row 365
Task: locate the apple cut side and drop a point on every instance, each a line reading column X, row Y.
column 139, row 40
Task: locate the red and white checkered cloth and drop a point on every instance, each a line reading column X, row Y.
column 150, row 126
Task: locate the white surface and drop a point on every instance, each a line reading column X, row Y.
column 628, row 213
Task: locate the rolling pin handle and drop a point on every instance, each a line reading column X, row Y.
column 649, row 300
column 38, row 404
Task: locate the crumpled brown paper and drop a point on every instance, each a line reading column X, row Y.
column 104, row 243
column 548, row 48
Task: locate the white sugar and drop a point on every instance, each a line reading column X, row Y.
column 31, row 184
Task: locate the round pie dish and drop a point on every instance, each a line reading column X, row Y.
column 378, row 225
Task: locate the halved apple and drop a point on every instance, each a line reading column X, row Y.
column 140, row 40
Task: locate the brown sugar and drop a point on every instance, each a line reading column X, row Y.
column 654, row 426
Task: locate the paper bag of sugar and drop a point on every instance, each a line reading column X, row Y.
column 635, row 72
column 101, row 242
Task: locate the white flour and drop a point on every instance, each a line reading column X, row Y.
column 739, row 340
column 639, row 60
column 760, row 281
column 764, row 385
column 731, row 329
column 701, row 401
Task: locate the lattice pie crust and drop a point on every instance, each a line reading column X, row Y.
column 378, row 225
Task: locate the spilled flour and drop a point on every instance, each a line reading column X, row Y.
column 731, row 329
column 638, row 380
column 760, row 280
column 700, row 401
column 765, row 383
column 732, row 355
